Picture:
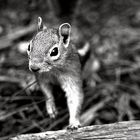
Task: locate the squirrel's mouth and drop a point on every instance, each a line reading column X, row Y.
column 44, row 70
column 39, row 68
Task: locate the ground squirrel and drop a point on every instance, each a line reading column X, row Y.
column 54, row 60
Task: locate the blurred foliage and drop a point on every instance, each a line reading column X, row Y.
column 110, row 67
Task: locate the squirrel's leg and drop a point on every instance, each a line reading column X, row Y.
column 50, row 105
column 74, row 93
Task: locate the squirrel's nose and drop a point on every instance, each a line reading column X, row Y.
column 34, row 69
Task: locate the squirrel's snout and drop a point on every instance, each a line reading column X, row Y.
column 34, row 68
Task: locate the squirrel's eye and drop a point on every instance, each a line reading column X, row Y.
column 54, row 52
column 29, row 47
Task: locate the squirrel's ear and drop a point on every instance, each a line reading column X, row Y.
column 64, row 33
column 41, row 26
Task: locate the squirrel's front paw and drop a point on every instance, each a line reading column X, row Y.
column 51, row 109
column 74, row 125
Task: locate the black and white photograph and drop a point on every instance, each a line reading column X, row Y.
column 70, row 70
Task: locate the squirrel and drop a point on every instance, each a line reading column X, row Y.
column 53, row 58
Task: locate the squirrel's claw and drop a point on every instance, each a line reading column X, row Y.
column 51, row 109
column 54, row 113
column 74, row 126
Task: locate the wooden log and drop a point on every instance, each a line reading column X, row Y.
column 129, row 130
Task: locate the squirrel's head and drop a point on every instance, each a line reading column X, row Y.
column 48, row 49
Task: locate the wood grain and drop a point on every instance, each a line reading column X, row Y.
column 129, row 130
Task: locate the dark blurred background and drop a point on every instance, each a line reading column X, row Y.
column 110, row 67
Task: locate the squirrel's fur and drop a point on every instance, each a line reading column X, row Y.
column 54, row 60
